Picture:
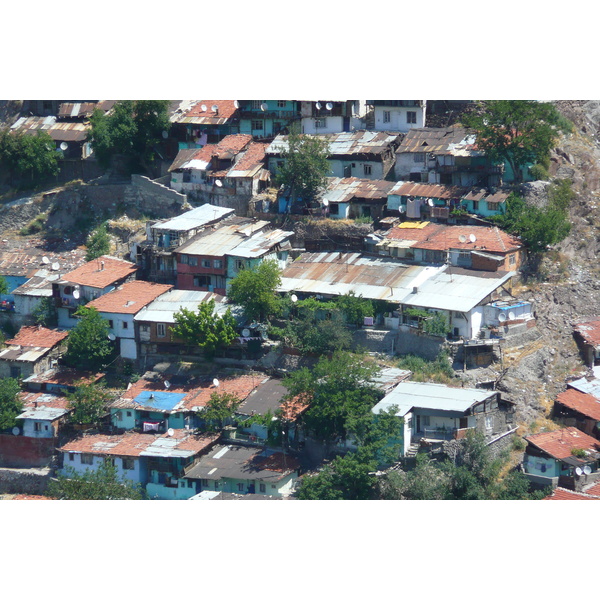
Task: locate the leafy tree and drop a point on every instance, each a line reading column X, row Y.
column 319, row 336
column 219, row 409
column 103, row 483
column 517, row 131
column 355, row 308
column 254, row 290
column 28, row 158
column 204, row 328
column 133, row 129
column 45, row 313
column 10, row 404
column 88, row 404
column 437, row 324
column 305, row 167
column 3, row 285
column 88, row 346
column 98, row 243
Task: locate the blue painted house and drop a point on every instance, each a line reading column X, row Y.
column 266, row 118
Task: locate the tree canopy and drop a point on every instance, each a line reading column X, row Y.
column 255, row 290
column 10, row 404
column 218, row 410
column 305, row 167
column 519, row 132
column 88, row 346
column 3, row 285
column 98, row 243
column 88, row 404
column 133, row 129
column 204, row 328
column 45, row 313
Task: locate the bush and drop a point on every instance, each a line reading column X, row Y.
column 35, row 225
column 539, row 172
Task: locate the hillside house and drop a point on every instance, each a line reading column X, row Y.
column 32, row 351
column 578, row 409
column 398, row 115
column 566, row 457
column 434, row 413
column 485, row 203
column 245, row 470
column 587, row 336
column 119, row 308
column 266, row 118
column 88, row 282
column 60, row 380
column 331, row 116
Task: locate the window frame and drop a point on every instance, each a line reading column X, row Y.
column 161, row 330
column 411, row 117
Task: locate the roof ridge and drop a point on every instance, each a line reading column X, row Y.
column 500, row 238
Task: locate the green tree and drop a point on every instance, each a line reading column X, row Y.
column 204, row 328
column 3, row 285
column 28, row 158
column 355, row 308
column 88, row 346
column 45, row 313
column 517, row 131
column 88, row 404
column 133, row 129
column 10, row 403
column 102, row 483
column 98, row 243
column 305, row 167
column 218, row 410
column 318, row 336
column 255, row 290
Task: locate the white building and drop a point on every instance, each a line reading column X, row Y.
column 398, row 115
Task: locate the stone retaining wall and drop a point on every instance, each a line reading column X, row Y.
column 24, row 481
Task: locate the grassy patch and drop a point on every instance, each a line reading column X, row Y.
column 432, row 371
column 35, row 225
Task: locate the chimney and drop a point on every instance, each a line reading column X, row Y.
column 415, row 289
column 102, row 265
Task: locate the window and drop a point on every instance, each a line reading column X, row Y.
column 125, row 325
column 218, row 264
column 240, row 487
column 426, row 421
column 367, row 169
column 128, row 464
column 204, row 482
column 262, row 487
column 512, row 259
column 15, row 372
column 488, row 422
column 419, row 157
column 257, row 124
column 256, row 104
column 145, row 328
column 71, row 456
column 87, row 459
column 119, row 416
column 110, row 323
column 161, row 330
column 279, row 164
column 183, row 259
column 492, row 205
column 411, row 116
column 128, row 413
column 206, row 264
column 202, row 281
column 281, row 103
column 109, row 461
column 190, row 483
column 37, row 426
column 334, row 209
column 240, row 265
column 387, row 116
column 193, row 261
column 273, row 486
column 320, row 123
column 475, row 204
column 68, row 291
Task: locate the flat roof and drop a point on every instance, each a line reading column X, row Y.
column 197, row 217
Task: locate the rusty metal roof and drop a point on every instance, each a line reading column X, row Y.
column 349, row 188
column 482, row 194
column 427, row 190
column 194, row 115
column 58, row 131
column 455, row 140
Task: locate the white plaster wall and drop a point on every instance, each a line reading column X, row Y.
column 334, row 125
column 133, row 475
column 398, row 120
column 29, row 428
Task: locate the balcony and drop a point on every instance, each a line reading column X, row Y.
column 441, row 433
column 269, row 114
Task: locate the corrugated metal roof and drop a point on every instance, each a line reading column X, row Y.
column 411, row 394
column 43, row 413
column 194, row 115
column 587, row 387
column 260, row 243
column 197, row 217
column 23, row 354
column 349, row 188
column 455, row 140
column 58, row 131
column 427, row 190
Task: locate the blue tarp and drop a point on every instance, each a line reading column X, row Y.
column 158, row 400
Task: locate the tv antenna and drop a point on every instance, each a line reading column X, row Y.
column 246, row 332
column 578, row 471
column 587, row 470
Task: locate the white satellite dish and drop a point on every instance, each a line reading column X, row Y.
column 16, row 431
column 246, row 332
column 76, row 294
column 236, row 104
column 462, row 239
column 204, row 107
column 294, row 298
column 218, row 183
column 501, row 317
column 55, row 266
column 64, row 146
column 329, row 106
column 45, row 260
column 165, row 134
column 579, row 471
column 112, row 337
column 430, row 201
column 472, row 238
column 587, row 469
column 216, row 382
column 167, row 384
column 325, row 202
column 263, row 106
column 318, row 105
column 511, row 315
column 214, row 107
column 170, row 432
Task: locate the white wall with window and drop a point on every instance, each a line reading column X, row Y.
column 324, row 124
column 399, row 118
column 127, row 466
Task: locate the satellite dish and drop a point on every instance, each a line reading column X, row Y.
column 170, row 432
column 579, row 471
column 216, row 382
column 165, row 134
column 167, row 384
column 402, row 210
column 214, row 108
column 204, row 108
column 236, row 104
column 64, row 146
column 218, row 183
column 112, row 337
column 294, row 298
column 55, row 266
column 76, row 294
column 263, row 106
column 329, row 106
column 472, row 238
column 246, row 332
column 587, row 469
column 325, row 202
column 318, row 105
column 511, row 315
column 501, row 317
column 16, row 431
column 45, row 260
column 462, row 239
column 430, row 201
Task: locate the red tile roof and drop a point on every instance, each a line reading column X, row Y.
column 32, row 497
column 254, row 156
column 442, row 237
column 291, row 409
column 277, row 462
column 37, row 337
column 589, row 331
column 93, row 274
column 583, row 403
column 129, row 298
column 593, row 490
column 563, row 494
column 559, row 443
